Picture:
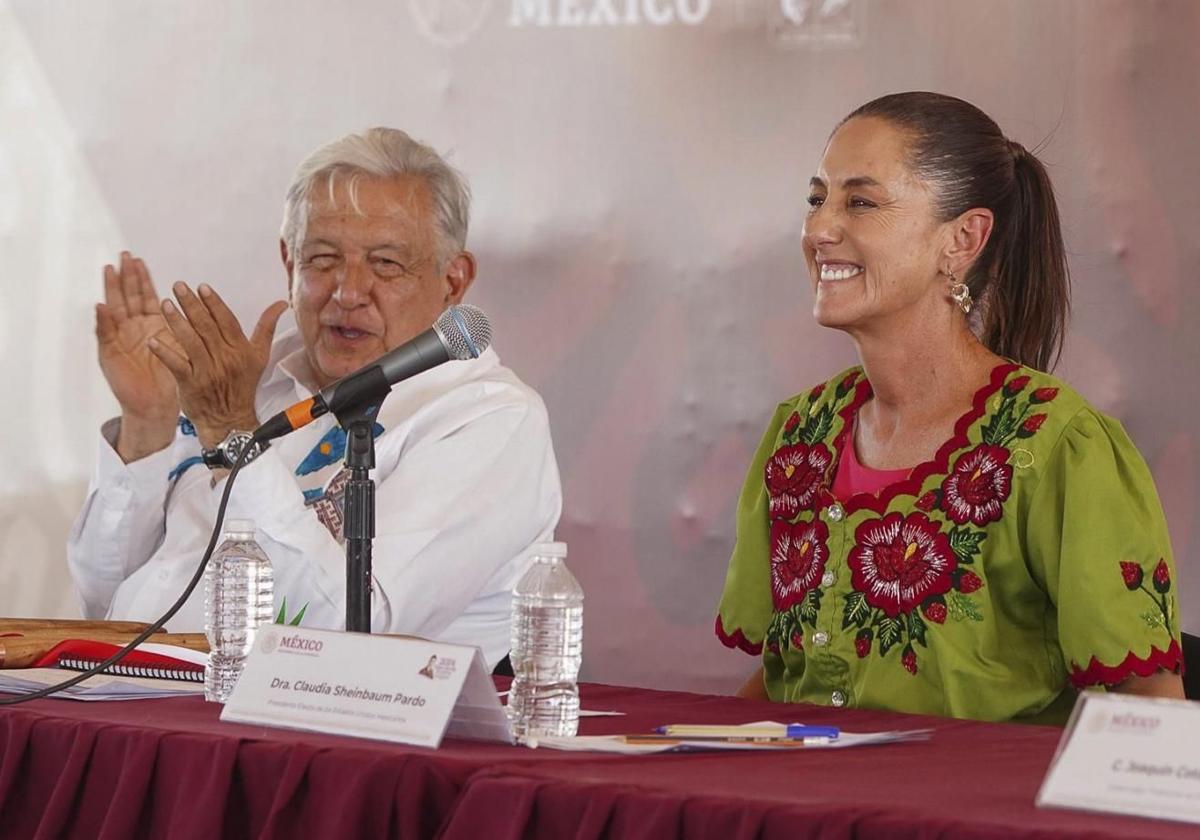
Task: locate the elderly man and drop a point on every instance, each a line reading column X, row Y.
column 373, row 242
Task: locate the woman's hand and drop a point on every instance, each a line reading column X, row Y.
column 215, row 366
column 127, row 320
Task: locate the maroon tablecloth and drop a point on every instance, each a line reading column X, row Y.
column 170, row 768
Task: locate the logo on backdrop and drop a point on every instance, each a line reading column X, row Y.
column 449, row 22
column 797, row 23
column 788, row 22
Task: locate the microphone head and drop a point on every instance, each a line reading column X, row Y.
column 465, row 331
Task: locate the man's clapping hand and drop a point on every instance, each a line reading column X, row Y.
column 126, row 321
column 215, row 366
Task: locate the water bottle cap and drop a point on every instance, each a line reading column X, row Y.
column 550, row 549
column 239, row 526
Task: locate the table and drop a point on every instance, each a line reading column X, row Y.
column 170, row 768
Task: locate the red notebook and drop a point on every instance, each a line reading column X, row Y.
column 168, row 662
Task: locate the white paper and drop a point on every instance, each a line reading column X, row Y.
column 98, row 687
column 1130, row 755
column 618, row 744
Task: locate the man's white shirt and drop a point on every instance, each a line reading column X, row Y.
column 466, row 484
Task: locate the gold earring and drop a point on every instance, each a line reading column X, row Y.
column 959, row 293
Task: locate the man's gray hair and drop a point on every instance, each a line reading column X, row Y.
column 383, row 153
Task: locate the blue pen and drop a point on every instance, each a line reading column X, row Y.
column 790, row 731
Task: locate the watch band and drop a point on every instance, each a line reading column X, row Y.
column 225, row 454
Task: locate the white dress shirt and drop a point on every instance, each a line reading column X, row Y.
column 466, row 483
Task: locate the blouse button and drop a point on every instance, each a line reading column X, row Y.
column 828, row 578
column 838, row 698
column 820, row 638
column 836, row 512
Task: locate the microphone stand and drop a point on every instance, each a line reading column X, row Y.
column 358, row 524
column 358, row 503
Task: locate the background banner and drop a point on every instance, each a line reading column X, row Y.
column 639, row 170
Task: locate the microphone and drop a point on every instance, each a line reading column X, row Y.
column 461, row 333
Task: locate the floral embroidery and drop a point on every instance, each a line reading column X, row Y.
column 798, row 555
column 908, row 572
column 897, row 562
column 793, row 476
column 1161, row 614
column 1015, row 385
column 978, row 485
column 1160, row 580
column 1031, row 425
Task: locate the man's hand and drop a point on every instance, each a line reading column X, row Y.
column 216, row 368
column 125, row 323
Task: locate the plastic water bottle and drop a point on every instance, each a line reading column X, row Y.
column 239, row 594
column 547, row 647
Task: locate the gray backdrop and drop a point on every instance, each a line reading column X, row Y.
column 639, row 170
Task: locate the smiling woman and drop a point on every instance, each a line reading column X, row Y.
column 946, row 528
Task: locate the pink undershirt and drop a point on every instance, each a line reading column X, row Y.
column 853, row 478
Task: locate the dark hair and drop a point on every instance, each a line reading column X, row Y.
column 1021, row 276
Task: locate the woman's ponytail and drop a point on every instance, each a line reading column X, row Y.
column 1027, row 299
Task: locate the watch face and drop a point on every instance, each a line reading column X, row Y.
column 233, row 445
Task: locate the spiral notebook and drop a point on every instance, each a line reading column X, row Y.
column 152, row 660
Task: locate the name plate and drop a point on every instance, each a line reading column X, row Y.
column 1128, row 755
column 390, row 688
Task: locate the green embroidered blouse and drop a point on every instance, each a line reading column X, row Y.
column 1027, row 560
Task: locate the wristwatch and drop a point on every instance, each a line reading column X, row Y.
column 225, row 454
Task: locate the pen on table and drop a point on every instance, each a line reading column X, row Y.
column 791, row 730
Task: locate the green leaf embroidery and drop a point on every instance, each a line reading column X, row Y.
column 818, row 426
column 964, row 542
column 1153, row 619
column 810, row 606
column 1002, row 425
column 890, row 634
column 295, row 622
column 962, row 608
column 855, row 611
column 916, row 628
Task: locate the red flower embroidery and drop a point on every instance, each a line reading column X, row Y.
column 817, row 391
column 1032, row 425
column 897, row 562
column 847, row 383
column 928, row 501
column 935, row 612
column 798, row 555
column 862, row 643
column 798, row 640
column 791, row 424
column 909, row 659
column 978, row 485
column 1133, row 574
column 1162, row 578
column 968, row 582
column 1043, row 395
column 793, row 476
column 1016, row 386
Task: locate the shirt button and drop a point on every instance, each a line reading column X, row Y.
column 827, row 579
column 836, row 512
column 838, row 698
column 821, row 638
